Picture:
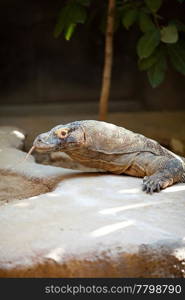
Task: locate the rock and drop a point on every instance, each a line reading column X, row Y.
column 90, row 225
column 12, row 137
column 95, row 225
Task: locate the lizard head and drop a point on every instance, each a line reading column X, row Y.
column 60, row 138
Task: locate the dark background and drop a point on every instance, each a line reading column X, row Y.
column 36, row 68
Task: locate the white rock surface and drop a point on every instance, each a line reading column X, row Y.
column 11, row 137
column 90, row 214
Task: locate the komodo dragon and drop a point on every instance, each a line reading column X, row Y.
column 105, row 146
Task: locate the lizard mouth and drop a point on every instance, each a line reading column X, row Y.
column 39, row 149
column 45, row 148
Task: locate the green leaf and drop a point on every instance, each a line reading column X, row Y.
column 181, row 1
column 129, row 17
column 169, row 34
column 71, row 13
column 147, row 43
column 146, row 63
column 153, row 5
column 177, row 56
column 62, row 19
column 156, row 73
column 69, row 31
column 145, row 22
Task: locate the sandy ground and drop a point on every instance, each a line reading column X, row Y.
column 15, row 186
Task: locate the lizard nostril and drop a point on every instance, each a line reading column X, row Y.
column 39, row 139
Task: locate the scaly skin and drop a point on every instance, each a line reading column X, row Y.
column 117, row 150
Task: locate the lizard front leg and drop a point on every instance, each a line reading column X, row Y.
column 163, row 172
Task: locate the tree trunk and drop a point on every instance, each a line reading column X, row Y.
column 106, row 80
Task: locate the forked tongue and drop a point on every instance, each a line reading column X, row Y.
column 29, row 153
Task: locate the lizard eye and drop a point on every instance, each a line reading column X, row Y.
column 61, row 133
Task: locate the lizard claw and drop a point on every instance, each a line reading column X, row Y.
column 150, row 187
column 154, row 184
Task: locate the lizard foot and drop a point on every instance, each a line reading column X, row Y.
column 155, row 183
